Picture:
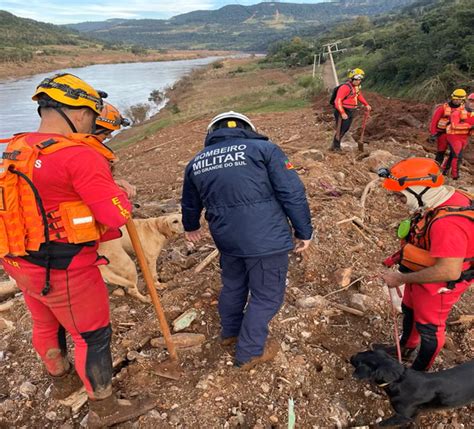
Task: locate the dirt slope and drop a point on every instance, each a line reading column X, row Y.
column 316, row 343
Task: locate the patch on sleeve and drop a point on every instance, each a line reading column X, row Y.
column 289, row 165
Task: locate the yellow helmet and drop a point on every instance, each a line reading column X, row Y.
column 111, row 119
column 356, row 74
column 459, row 94
column 67, row 89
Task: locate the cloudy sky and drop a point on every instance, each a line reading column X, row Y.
column 69, row 11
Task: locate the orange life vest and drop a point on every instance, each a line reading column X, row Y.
column 415, row 248
column 444, row 120
column 464, row 129
column 24, row 224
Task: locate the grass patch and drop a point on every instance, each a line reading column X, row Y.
column 269, row 106
column 148, row 130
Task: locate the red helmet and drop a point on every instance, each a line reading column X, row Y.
column 471, row 96
column 412, row 172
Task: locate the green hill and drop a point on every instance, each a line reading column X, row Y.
column 234, row 27
column 19, row 37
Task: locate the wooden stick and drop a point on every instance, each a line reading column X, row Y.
column 347, row 309
column 5, row 306
column 344, row 288
column 365, row 194
column 363, row 235
column 8, row 289
column 209, row 258
column 465, row 318
column 165, row 330
column 360, row 224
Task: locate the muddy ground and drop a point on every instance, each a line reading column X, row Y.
column 316, row 343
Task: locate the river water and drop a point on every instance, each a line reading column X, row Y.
column 126, row 84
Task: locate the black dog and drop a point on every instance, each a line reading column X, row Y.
column 412, row 391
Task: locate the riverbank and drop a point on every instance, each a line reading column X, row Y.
column 51, row 58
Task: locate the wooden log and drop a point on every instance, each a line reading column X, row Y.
column 464, row 319
column 347, row 309
column 5, row 306
column 365, row 194
column 209, row 258
column 8, row 289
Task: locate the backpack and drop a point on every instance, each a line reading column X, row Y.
column 332, row 100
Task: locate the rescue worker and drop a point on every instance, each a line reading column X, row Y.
column 107, row 122
column 346, row 101
column 436, row 258
column 249, row 190
column 68, row 201
column 440, row 121
column 460, row 127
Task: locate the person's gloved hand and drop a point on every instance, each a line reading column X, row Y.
column 432, row 138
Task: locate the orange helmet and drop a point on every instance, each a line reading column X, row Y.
column 412, row 172
column 111, row 119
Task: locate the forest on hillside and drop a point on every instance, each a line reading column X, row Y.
column 421, row 53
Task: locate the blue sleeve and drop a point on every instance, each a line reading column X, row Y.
column 191, row 203
column 289, row 191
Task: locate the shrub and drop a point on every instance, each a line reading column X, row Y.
column 138, row 112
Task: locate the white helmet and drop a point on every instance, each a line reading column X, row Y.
column 230, row 115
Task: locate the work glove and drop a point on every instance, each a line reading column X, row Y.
column 432, row 138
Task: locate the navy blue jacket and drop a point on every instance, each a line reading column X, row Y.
column 249, row 190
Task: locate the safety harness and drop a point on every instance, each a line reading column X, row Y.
column 414, row 255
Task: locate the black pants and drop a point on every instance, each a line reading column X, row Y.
column 342, row 126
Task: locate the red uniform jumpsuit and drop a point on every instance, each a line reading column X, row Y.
column 347, row 98
column 442, row 111
column 78, row 299
column 461, row 123
column 426, row 307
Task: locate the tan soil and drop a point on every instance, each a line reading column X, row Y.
column 313, row 366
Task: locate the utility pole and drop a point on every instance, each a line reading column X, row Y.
column 318, row 56
column 329, row 48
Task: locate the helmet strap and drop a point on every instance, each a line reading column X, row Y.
column 66, row 118
column 418, row 196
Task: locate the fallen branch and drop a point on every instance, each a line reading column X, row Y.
column 209, row 258
column 365, row 194
column 8, row 289
column 5, row 306
column 363, row 235
column 347, row 309
column 160, row 145
column 344, row 288
column 465, row 318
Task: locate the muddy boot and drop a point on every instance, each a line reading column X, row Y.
column 408, row 355
column 228, row 341
column 66, row 384
column 271, row 350
column 110, row 411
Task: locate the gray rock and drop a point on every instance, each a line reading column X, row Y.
column 313, row 154
column 361, row 302
column 307, row 302
column 27, row 389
